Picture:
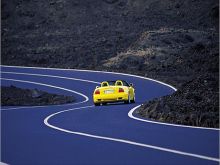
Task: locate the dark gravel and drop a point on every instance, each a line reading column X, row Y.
column 14, row 96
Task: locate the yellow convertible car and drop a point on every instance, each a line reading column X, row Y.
column 114, row 91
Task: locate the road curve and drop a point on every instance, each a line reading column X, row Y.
column 80, row 133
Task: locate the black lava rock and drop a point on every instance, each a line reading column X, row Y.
column 13, row 96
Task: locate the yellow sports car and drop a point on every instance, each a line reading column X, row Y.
column 114, row 91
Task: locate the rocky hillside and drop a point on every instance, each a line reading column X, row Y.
column 173, row 41
column 195, row 103
column 173, row 56
column 69, row 33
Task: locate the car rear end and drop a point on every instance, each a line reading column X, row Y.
column 110, row 94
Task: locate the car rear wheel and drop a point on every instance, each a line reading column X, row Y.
column 97, row 104
column 133, row 101
column 128, row 101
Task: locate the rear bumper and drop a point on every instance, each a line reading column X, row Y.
column 107, row 98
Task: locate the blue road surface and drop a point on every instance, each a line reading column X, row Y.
column 80, row 133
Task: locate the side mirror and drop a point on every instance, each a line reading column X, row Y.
column 131, row 84
column 96, row 87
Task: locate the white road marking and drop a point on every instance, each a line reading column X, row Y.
column 130, row 114
column 1, row 163
column 103, row 137
column 37, row 106
column 125, row 74
column 42, row 75
column 52, row 86
column 45, row 75
column 46, row 122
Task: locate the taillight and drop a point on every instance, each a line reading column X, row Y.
column 121, row 90
column 97, row 92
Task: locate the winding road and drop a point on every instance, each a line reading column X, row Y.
column 80, row 133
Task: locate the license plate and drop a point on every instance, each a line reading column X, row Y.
column 108, row 91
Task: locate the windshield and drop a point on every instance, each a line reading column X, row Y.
column 112, row 83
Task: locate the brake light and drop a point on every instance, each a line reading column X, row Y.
column 121, row 90
column 97, row 92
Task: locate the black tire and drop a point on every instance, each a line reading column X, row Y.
column 133, row 101
column 104, row 103
column 128, row 101
column 97, row 104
